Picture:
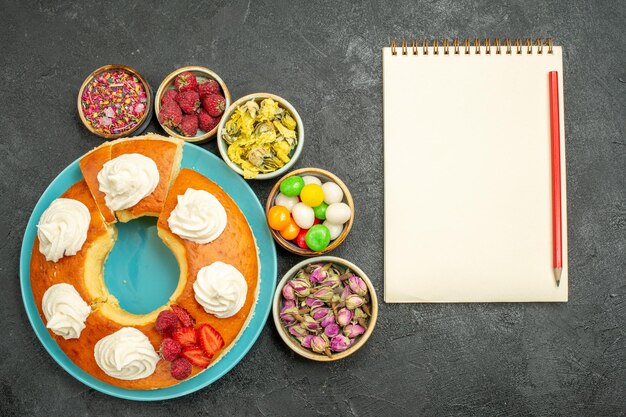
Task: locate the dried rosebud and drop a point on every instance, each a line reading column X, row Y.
column 301, row 287
column 353, row 330
column 340, row 343
column 323, row 294
column 287, row 315
column 288, row 293
column 330, row 319
column 318, row 275
column 319, row 344
column 320, row 313
column 298, row 331
column 353, row 301
column 289, row 303
column 331, row 330
column 313, row 303
column 311, row 324
column 306, row 341
column 359, row 313
column 331, row 280
column 345, row 293
column 344, row 317
column 357, row 285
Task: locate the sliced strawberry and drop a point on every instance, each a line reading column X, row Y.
column 183, row 316
column 196, row 356
column 186, row 336
column 210, row 339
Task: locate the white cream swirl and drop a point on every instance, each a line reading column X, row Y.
column 220, row 289
column 65, row 310
column 127, row 179
column 62, row 228
column 198, row 216
column 126, row 354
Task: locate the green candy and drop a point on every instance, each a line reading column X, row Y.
column 317, row 238
column 292, row 186
column 320, row 211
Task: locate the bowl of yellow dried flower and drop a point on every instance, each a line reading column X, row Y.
column 260, row 136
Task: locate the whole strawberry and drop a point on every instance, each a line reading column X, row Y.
column 185, row 81
column 189, row 101
column 189, row 126
column 206, row 121
column 209, row 87
column 170, row 114
column 170, row 95
column 214, row 104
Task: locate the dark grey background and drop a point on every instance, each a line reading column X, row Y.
column 324, row 57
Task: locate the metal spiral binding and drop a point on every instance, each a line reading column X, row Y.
column 509, row 46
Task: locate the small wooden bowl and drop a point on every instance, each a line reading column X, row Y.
column 202, row 74
column 292, row 342
column 143, row 122
column 325, row 176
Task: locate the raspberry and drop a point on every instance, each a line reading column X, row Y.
column 170, row 349
column 206, row 121
column 214, row 104
column 189, row 125
column 189, row 101
column 185, row 81
column 183, row 316
column 170, row 95
column 170, row 114
column 180, row 369
column 166, row 322
column 209, row 87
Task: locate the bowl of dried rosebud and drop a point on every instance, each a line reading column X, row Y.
column 325, row 308
column 190, row 103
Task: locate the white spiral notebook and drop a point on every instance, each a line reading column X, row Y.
column 468, row 212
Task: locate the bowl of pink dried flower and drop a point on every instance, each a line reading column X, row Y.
column 325, row 308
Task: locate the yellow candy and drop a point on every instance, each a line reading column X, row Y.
column 312, row 195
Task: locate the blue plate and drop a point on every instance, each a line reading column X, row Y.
column 125, row 279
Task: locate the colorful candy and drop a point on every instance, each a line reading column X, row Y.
column 310, row 179
column 320, row 211
column 338, row 213
column 300, row 208
column 334, row 229
column 332, row 193
column 312, row 195
column 288, row 202
column 292, row 186
column 300, row 239
column 291, row 231
column 278, row 217
column 318, row 237
column 303, row 215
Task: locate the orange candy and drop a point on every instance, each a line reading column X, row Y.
column 278, row 217
column 291, row 231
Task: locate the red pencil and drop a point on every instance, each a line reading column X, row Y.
column 555, row 133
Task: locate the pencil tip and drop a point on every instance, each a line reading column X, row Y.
column 557, row 275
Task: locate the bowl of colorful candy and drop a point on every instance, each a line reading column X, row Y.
column 325, row 308
column 115, row 101
column 190, row 103
column 310, row 211
column 260, row 136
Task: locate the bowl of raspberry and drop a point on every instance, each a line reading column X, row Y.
column 190, row 103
